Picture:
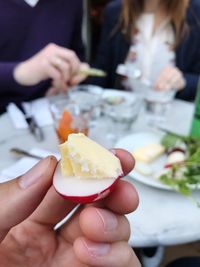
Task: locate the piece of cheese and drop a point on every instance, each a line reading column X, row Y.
column 142, row 168
column 84, row 158
column 65, row 162
column 148, row 153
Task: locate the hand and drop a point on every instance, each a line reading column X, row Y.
column 96, row 235
column 57, row 63
column 170, row 78
column 79, row 77
column 58, row 86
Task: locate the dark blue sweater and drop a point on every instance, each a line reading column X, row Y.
column 113, row 49
column 25, row 30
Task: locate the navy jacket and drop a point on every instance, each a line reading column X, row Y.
column 113, row 49
column 25, row 30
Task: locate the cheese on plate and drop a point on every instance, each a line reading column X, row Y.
column 148, row 153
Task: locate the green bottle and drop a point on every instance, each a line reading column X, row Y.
column 195, row 129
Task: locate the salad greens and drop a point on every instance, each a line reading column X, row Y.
column 171, row 140
column 184, row 176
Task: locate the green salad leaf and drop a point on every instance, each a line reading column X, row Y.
column 183, row 177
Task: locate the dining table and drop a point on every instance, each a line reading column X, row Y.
column 163, row 217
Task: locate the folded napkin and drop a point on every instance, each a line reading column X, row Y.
column 39, row 109
column 24, row 164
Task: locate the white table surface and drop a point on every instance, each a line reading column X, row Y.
column 163, row 217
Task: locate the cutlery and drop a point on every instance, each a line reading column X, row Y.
column 21, row 152
column 68, row 217
column 34, row 128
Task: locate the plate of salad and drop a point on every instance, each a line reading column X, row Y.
column 183, row 173
column 165, row 160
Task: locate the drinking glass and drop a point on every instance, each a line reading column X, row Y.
column 122, row 113
column 87, row 97
column 67, row 117
column 157, row 104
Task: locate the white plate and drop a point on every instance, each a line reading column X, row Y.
column 136, row 140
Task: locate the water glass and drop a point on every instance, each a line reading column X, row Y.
column 122, row 113
column 157, row 104
column 67, row 117
column 88, row 98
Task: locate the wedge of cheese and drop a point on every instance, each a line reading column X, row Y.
column 148, row 153
column 143, row 168
column 84, row 158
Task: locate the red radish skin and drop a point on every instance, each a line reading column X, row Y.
column 86, row 199
column 167, row 166
column 176, row 149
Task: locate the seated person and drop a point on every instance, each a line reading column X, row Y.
column 36, row 44
column 186, row 262
column 160, row 38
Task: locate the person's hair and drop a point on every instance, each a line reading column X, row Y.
column 132, row 9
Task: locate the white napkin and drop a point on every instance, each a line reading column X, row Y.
column 16, row 116
column 24, row 164
column 38, row 108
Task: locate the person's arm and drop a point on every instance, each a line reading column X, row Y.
column 52, row 62
column 188, row 54
column 184, row 83
column 77, row 41
column 104, row 53
column 7, row 81
column 189, row 92
column 170, row 78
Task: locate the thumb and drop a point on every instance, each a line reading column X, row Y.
column 20, row 197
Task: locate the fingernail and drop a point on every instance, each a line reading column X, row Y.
column 34, row 174
column 97, row 249
column 108, row 219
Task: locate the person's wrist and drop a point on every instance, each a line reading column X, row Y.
column 25, row 73
column 182, row 84
column 21, row 73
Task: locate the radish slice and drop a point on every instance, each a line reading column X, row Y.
column 176, row 157
column 82, row 190
column 87, row 171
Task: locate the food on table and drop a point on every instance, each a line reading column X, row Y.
column 114, row 100
column 148, row 153
column 64, row 126
column 183, row 172
column 93, row 72
column 87, row 171
column 67, row 126
column 157, row 174
column 175, row 156
column 144, row 169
